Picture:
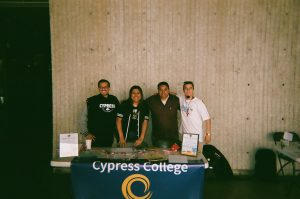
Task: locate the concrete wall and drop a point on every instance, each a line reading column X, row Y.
column 243, row 57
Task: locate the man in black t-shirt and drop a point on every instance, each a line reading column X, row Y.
column 101, row 116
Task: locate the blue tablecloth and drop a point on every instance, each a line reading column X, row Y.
column 92, row 179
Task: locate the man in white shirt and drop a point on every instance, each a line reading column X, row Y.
column 193, row 114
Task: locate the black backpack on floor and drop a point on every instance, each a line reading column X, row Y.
column 218, row 164
column 265, row 164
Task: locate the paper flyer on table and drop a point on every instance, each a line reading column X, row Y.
column 189, row 144
column 68, row 145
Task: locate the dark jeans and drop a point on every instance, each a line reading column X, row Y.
column 132, row 136
column 103, row 140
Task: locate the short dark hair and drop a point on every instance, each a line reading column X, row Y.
column 188, row 82
column 103, row 81
column 138, row 88
column 162, row 84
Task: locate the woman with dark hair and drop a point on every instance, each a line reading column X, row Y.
column 132, row 118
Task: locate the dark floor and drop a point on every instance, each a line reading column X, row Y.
column 48, row 184
column 249, row 187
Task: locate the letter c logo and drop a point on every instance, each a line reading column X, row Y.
column 126, row 186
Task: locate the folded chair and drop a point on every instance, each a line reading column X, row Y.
column 284, row 160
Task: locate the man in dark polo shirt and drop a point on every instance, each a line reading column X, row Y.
column 100, row 116
column 163, row 107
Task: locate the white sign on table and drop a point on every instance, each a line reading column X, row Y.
column 68, row 145
column 189, row 144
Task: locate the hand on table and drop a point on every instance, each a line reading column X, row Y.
column 138, row 142
column 122, row 143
